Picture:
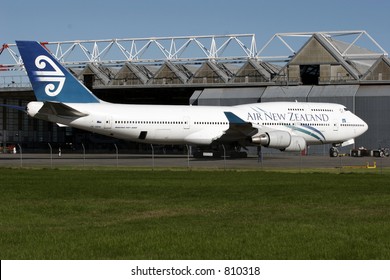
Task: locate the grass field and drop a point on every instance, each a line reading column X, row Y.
column 125, row 214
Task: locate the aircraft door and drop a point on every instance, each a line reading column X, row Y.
column 335, row 125
column 186, row 122
column 107, row 122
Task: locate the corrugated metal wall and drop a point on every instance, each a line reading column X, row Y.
column 373, row 106
column 228, row 96
column 273, row 93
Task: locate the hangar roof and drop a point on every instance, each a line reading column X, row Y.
column 227, row 60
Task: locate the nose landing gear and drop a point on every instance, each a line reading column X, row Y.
column 333, row 152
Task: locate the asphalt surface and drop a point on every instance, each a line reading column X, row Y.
column 284, row 160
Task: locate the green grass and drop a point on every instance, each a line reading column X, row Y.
column 124, row 214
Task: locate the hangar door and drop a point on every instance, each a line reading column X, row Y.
column 310, row 74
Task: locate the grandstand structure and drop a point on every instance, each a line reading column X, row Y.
column 347, row 67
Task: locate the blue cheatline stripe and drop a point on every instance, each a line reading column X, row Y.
column 300, row 129
column 315, row 130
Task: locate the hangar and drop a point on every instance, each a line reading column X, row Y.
column 346, row 67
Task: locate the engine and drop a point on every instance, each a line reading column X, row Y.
column 281, row 140
column 297, row 144
column 273, row 139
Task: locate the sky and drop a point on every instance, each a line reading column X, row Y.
column 48, row 20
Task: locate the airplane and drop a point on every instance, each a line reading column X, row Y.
column 287, row 126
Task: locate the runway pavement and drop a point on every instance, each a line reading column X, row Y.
column 284, row 160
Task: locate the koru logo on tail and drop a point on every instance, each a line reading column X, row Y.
column 52, row 76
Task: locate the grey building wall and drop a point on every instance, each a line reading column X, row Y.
column 229, row 96
column 373, row 106
column 341, row 94
column 286, row 93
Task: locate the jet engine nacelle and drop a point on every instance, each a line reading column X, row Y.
column 297, row 144
column 33, row 108
column 281, row 140
column 273, row 139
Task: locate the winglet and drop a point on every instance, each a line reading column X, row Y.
column 234, row 119
column 50, row 80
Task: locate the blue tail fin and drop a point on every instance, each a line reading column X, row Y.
column 49, row 79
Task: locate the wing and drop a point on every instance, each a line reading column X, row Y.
column 20, row 108
column 239, row 130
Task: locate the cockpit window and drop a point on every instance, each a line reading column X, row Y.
column 346, row 109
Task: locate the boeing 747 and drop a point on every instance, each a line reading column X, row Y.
column 287, row 126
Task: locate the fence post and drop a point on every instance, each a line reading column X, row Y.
column 116, row 151
column 151, row 145
column 224, row 156
column 21, row 155
column 82, row 144
column 51, row 156
column 188, row 156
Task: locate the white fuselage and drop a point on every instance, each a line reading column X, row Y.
column 287, row 126
column 316, row 123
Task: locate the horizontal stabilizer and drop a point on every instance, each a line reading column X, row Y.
column 60, row 110
column 20, row 108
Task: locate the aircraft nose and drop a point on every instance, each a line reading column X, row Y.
column 363, row 127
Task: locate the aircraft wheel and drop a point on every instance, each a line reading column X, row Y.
column 333, row 152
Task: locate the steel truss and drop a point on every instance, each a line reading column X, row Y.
column 330, row 36
column 185, row 49
column 147, row 50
